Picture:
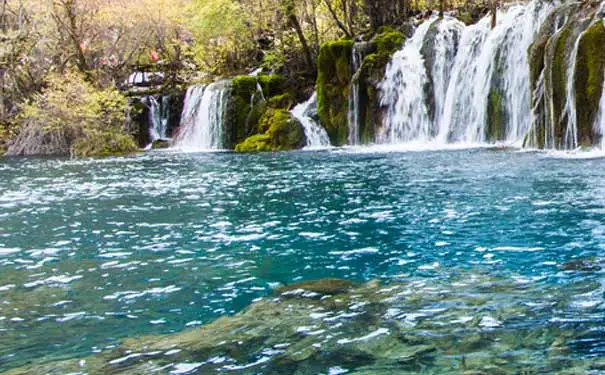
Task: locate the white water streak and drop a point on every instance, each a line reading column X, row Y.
column 202, row 121
column 317, row 137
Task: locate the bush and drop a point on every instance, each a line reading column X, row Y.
column 71, row 117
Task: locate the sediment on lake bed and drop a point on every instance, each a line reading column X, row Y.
column 439, row 327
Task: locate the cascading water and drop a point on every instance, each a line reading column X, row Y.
column 402, row 92
column 599, row 126
column 444, row 48
column 571, row 132
column 158, row 113
column 478, row 78
column 353, row 112
column 317, row 137
column 202, row 121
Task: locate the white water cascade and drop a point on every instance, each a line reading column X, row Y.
column 571, row 132
column 599, row 126
column 468, row 69
column 403, row 93
column 157, row 117
column 203, row 117
column 353, row 111
column 316, row 135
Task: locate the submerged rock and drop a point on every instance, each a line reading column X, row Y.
column 331, row 326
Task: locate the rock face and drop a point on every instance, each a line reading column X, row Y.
column 140, row 114
column 334, row 74
column 453, row 326
column 337, row 74
column 566, row 66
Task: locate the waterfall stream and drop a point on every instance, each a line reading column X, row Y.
column 353, row 111
column 316, row 135
column 158, row 114
column 452, row 83
column 599, row 126
column 202, row 121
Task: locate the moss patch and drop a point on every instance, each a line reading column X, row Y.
column 333, row 80
column 590, row 70
column 373, row 67
column 559, row 80
column 278, row 131
column 495, row 116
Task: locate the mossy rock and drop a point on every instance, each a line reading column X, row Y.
column 243, row 112
column 278, row 131
column 283, row 101
column 559, row 79
column 160, row 144
column 373, row 67
column 589, row 77
column 333, row 84
column 496, row 116
column 255, row 143
column 104, row 144
column 272, row 85
column 323, row 287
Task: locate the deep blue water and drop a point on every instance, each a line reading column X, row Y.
column 98, row 250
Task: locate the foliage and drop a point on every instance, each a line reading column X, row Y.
column 70, row 116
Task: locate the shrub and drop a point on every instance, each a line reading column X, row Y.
column 71, row 117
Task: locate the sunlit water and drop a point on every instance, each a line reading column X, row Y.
column 95, row 251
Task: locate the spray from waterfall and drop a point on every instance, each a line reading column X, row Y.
column 202, row 121
column 316, row 135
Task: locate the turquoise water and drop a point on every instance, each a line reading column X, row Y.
column 92, row 251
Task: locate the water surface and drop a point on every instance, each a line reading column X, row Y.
column 95, row 251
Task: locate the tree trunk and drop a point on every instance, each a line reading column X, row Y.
column 338, row 21
column 494, row 11
column 293, row 20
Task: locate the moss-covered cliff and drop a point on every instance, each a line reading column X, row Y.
column 334, row 75
column 382, row 47
column 589, row 75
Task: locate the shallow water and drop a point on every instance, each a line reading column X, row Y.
column 95, row 251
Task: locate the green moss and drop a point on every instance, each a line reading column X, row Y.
column 495, row 116
column 256, row 143
column 388, row 42
column 107, row 143
column 590, row 70
column 243, row 112
column 279, row 131
column 559, row 78
column 272, row 85
column 284, row 101
column 243, row 86
column 333, row 79
column 373, row 67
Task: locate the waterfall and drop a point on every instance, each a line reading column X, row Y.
column 353, row 111
column 202, row 120
column 599, row 126
column 158, row 114
column 477, row 79
column 571, row 132
column 402, row 92
column 317, row 137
